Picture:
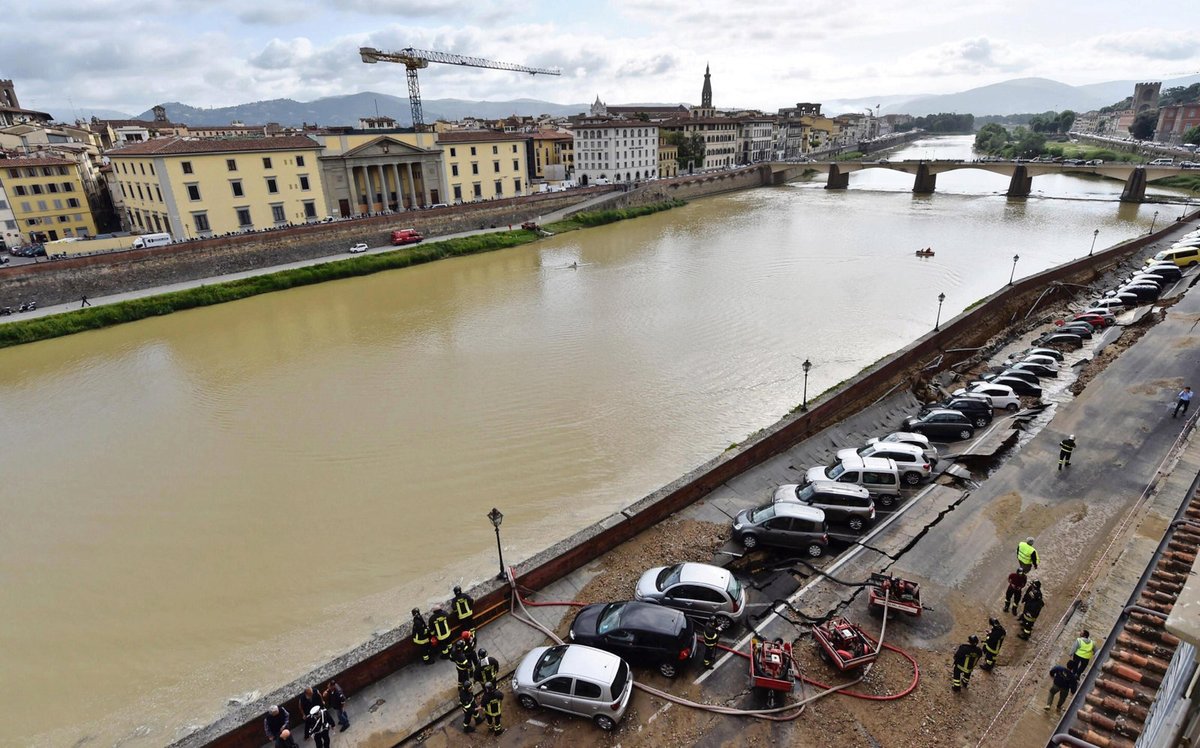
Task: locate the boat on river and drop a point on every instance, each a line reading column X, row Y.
column 927, row 252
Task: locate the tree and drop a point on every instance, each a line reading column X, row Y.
column 1144, row 124
column 690, row 149
column 1029, row 144
column 1192, row 135
column 991, row 138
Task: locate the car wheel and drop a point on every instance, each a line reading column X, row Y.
column 965, row 434
column 815, row 550
column 1012, row 407
column 605, row 722
column 856, row 524
column 749, row 541
column 912, row 479
column 724, row 623
column 887, row 501
column 981, row 422
column 526, row 701
column 668, row 669
column 1192, row 264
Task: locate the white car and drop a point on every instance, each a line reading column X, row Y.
column 909, row 437
column 360, row 247
column 1001, row 395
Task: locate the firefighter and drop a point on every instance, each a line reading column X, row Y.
column 965, row 658
column 711, row 637
column 1033, row 607
column 991, row 645
column 1016, row 585
column 464, row 610
column 420, row 637
column 461, row 657
column 1027, row 555
column 1082, row 656
column 466, row 700
column 1065, row 448
column 489, row 668
column 493, row 700
column 440, row 622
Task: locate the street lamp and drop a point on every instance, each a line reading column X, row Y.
column 496, row 517
column 1095, row 234
column 937, row 325
column 1013, row 274
column 1153, row 221
column 806, row 366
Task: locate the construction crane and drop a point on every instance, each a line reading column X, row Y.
column 415, row 59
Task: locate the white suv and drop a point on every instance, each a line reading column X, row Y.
column 914, row 466
column 1001, row 395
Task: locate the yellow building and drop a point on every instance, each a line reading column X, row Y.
column 372, row 171
column 484, row 165
column 199, row 188
column 668, row 159
column 553, row 148
column 47, row 198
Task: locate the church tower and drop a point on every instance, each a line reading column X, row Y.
column 706, row 92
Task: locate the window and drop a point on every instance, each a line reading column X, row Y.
column 474, row 167
column 558, row 685
column 499, row 189
column 472, row 150
column 304, row 181
column 587, row 689
column 142, row 166
column 272, row 187
column 14, row 173
column 514, row 148
column 64, row 219
column 58, row 204
column 231, row 164
column 478, row 189
column 193, row 192
column 151, row 169
column 266, row 162
column 453, row 152
column 3, row 205
column 516, row 165
column 457, row 192
column 68, row 187
column 201, row 220
column 299, row 161
column 20, row 189
column 495, row 149
column 517, row 186
column 37, row 189
column 454, row 170
column 140, row 195
column 187, row 169
column 236, row 185
column 52, row 187
column 72, row 202
column 277, row 214
column 496, row 167
column 310, row 209
column 243, row 217
column 158, row 192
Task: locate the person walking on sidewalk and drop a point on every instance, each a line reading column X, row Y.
column 1012, row 596
column 991, row 645
column 1181, row 403
column 335, row 697
column 1065, row 679
column 1065, row 448
column 1027, row 555
column 1034, row 602
column 84, row 302
column 318, row 723
column 1081, row 657
column 965, row 658
column 420, row 637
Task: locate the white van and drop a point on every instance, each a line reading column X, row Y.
column 152, row 240
column 1162, row 162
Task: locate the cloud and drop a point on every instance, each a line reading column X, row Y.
column 1149, row 44
column 657, row 65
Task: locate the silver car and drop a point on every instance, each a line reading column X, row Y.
column 575, row 679
column 702, row 591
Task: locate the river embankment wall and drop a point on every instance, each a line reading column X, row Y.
column 953, row 343
column 65, row 280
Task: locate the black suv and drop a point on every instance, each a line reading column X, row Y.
column 943, row 425
column 641, row 633
column 978, row 410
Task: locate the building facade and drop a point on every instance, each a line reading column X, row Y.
column 47, row 198
column 367, row 172
column 616, row 151
column 11, row 112
column 201, row 188
column 668, row 159
column 1174, row 121
column 553, row 149
column 756, row 137
column 10, row 232
column 484, row 165
column 720, row 136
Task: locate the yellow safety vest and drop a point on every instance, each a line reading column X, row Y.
column 441, row 628
column 462, row 607
column 492, row 707
column 1084, row 648
column 1025, row 553
column 420, row 636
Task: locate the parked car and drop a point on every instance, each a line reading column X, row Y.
column 842, row 503
column 1065, row 339
column 909, row 437
column 575, row 679
column 1010, row 371
column 783, row 525
column 943, row 425
column 406, row 236
column 1082, row 329
column 1003, row 398
column 1184, row 257
column 1095, row 319
column 357, row 248
column 1053, row 353
column 1041, row 370
column 1019, row 386
column 700, row 590
column 1169, row 272
column 914, row 465
column 1047, row 361
column 1094, row 162
column 879, row 476
column 1142, row 292
column 1109, row 303
column 639, row 633
column 979, row 410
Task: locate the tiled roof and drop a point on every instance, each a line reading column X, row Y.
column 552, row 136
column 478, row 136
column 615, row 123
column 1114, row 702
column 6, row 163
column 149, row 124
column 177, row 146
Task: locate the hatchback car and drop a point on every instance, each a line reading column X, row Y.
column 1077, row 328
column 783, row 525
column 1053, row 353
column 1038, row 369
column 1019, row 386
column 1025, row 374
column 357, row 248
column 639, row 633
column 1002, row 396
column 1115, row 306
column 944, row 425
column 1168, row 270
column 1065, row 339
column 1143, row 291
column 1038, row 358
column 575, row 679
column 842, row 503
column 702, row 591
column 914, row 465
column 879, row 476
column 1095, row 319
column 913, row 438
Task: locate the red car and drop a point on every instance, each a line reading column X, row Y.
column 406, row 236
column 1095, row 320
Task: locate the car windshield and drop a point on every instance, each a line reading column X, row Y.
column 835, row 471
column 804, row 493
column 762, row 513
column 1160, row 255
column 610, row 617
column 549, row 662
column 668, row 576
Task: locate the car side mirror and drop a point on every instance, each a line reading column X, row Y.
column 542, row 688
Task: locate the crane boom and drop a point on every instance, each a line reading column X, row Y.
column 415, row 59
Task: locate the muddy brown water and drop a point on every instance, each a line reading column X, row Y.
column 208, row 504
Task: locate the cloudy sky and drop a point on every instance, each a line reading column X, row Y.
column 131, row 54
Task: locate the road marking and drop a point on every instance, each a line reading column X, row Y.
column 841, row 561
column 657, row 714
column 536, row 723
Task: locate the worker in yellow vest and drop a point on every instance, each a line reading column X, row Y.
column 420, row 637
column 464, row 610
column 441, row 632
column 1082, row 656
column 1027, row 555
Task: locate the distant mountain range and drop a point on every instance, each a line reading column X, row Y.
column 1018, row 96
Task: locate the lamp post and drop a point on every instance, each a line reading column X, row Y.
column 806, row 366
column 1095, row 234
column 1153, row 221
column 1013, row 274
column 937, row 325
column 496, row 517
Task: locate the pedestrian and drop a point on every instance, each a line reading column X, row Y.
column 1012, row 596
column 965, row 658
column 466, row 700
column 1184, row 399
column 489, row 668
column 335, row 697
column 317, row 724
column 462, row 662
column 1081, row 657
column 1034, row 602
column 440, row 623
column 464, row 610
column 1027, row 555
column 1065, row 679
column 420, row 637
column 991, row 645
column 308, row 700
column 711, row 637
column 1065, row 448
column 84, row 302
column 493, row 702
column 275, row 725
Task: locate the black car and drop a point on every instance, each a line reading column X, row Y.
column 1028, row 376
column 1036, row 369
column 1143, row 291
column 977, row 409
column 1065, row 339
column 942, row 425
column 1170, row 272
column 1020, row 386
column 1082, row 329
column 640, row 633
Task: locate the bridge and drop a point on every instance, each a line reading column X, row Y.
column 1020, row 173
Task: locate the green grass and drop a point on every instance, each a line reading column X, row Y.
column 94, row 318
column 851, row 156
column 1089, row 152
column 1180, row 181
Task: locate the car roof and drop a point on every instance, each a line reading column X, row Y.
column 589, row 662
column 799, row 511
column 940, row 411
column 869, row 463
column 650, row 617
column 910, row 448
column 846, row 489
column 909, row 435
column 695, row 573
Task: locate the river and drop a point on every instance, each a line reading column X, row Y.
column 209, row 503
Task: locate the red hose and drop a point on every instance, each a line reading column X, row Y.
column 870, row 697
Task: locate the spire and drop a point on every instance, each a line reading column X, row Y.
column 706, row 92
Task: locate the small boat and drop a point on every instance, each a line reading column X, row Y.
column 925, row 252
